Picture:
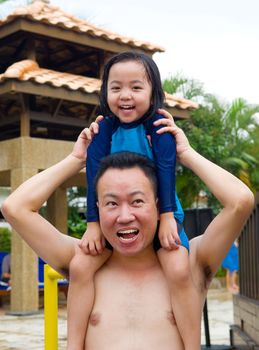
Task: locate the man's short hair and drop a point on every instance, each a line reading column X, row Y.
column 128, row 160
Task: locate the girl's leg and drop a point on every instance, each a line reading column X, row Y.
column 184, row 296
column 81, row 296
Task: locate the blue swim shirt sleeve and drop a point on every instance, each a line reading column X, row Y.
column 98, row 148
column 164, row 152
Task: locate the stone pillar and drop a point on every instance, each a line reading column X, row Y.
column 24, row 262
column 57, row 209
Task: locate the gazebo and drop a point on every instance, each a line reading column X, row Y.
column 50, row 69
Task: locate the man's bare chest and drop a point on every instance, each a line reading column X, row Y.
column 126, row 302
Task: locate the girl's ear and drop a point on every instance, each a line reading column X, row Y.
column 97, row 204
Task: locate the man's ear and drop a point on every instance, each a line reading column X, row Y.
column 97, row 204
column 157, row 206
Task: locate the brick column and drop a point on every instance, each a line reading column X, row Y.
column 24, row 262
column 57, row 209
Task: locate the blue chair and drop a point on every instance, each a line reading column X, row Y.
column 5, row 288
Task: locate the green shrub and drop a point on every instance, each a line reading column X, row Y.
column 76, row 225
column 5, row 240
column 221, row 272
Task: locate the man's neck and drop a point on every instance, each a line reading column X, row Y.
column 140, row 262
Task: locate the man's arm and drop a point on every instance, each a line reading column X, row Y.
column 237, row 201
column 21, row 208
column 236, row 198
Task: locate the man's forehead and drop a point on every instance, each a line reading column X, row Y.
column 132, row 180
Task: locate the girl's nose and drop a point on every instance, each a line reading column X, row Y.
column 125, row 94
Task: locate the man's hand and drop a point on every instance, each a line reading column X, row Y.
column 93, row 241
column 168, row 234
column 84, row 139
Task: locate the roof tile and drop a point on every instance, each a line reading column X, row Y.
column 28, row 70
column 41, row 11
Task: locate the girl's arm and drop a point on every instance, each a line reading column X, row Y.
column 99, row 148
column 164, row 151
column 21, row 207
column 236, row 198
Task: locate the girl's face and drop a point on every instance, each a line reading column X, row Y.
column 128, row 91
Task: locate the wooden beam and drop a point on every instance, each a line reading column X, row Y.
column 69, row 35
column 178, row 113
column 30, row 87
column 57, row 108
column 25, row 116
column 13, row 86
column 78, row 37
column 10, row 28
column 30, row 48
column 9, row 120
column 47, row 118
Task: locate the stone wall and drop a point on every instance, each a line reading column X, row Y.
column 245, row 332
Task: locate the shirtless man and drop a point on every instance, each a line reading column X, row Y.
column 131, row 309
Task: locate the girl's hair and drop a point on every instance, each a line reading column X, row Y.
column 153, row 75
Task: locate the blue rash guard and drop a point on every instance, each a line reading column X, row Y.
column 115, row 136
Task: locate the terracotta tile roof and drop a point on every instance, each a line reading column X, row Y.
column 28, row 70
column 41, row 11
column 180, row 102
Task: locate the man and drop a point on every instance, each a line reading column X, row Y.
column 131, row 309
column 6, row 269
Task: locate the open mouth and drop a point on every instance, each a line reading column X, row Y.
column 126, row 107
column 128, row 235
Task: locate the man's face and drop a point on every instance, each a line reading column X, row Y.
column 127, row 209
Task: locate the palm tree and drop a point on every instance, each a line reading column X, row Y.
column 225, row 134
column 240, row 124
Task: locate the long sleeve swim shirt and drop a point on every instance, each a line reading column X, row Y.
column 140, row 137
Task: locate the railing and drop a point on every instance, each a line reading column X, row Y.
column 51, row 278
column 249, row 255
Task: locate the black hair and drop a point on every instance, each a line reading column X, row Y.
column 157, row 94
column 128, row 160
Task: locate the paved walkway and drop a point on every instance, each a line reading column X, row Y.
column 27, row 332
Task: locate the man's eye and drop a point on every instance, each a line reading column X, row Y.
column 111, row 204
column 138, row 201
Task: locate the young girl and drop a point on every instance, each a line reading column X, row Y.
column 131, row 98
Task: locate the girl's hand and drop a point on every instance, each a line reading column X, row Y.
column 168, row 233
column 182, row 143
column 84, row 139
column 93, row 241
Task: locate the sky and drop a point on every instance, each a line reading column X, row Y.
column 213, row 41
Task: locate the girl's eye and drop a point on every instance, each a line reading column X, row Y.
column 115, row 88
column 137, row 87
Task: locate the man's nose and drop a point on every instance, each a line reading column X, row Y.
column 125, row 215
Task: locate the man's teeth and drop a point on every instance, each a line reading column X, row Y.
column 127, row 234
